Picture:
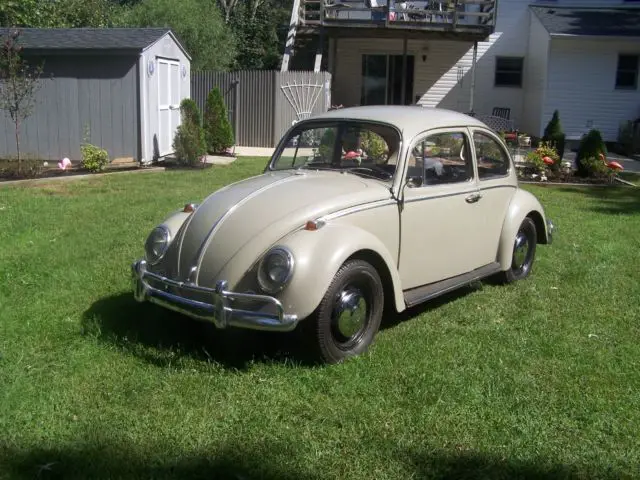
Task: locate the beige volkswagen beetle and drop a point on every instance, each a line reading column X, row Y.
column 358, row 209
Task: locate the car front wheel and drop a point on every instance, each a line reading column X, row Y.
column 349, row 315
column 524, row 252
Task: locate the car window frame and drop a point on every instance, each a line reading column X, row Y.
column 332, row 122
column 491, row 134
column 434, row 131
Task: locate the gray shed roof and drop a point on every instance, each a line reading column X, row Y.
column 605, row 22
column 125, row 39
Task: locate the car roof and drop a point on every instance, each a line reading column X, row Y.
column 410, row 119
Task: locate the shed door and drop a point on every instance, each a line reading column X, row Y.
column 169, row 103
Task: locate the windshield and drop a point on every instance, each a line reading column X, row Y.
column 365, row 149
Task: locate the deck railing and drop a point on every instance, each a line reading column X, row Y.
column 408, row 14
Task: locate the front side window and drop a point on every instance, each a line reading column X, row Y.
column 493, row 161
column 361, row 148
column 440, row 158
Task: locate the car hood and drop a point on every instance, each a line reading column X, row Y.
column 260, row 210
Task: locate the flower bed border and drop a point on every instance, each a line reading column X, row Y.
column 55, row 178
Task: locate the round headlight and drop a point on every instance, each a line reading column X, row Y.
column 157, row 244
column 275, row 269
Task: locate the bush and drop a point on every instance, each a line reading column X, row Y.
column 629, row 138
column 94, row 158
column 591, row 146
column 218, row 131
column 594, row 167
column 190, row 112
column 189, row 143
column 554, row 135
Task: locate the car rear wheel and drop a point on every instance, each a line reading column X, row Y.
column 349, row 315
column 524, row 252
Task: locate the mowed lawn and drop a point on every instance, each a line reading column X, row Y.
column 540, row 379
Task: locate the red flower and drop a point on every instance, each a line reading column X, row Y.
column 548, row 160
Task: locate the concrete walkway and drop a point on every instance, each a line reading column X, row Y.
column 629, row 164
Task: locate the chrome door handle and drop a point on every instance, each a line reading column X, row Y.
column 473, row 198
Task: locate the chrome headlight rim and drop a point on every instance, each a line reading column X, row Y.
column 265, row 283
column 155, row 259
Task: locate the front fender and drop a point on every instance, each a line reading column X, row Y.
column 318, row 256
column 523, row 204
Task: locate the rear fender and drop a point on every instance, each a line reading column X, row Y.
column 523, row 204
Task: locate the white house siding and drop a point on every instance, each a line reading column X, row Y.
column 535, row 80
column 165, row 48
column 581, row 85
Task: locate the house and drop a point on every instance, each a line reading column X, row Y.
column 117, row 88
column 521, row 58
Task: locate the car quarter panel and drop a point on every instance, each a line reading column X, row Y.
column 522, row 205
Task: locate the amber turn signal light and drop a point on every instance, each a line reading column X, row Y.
column 189, row 207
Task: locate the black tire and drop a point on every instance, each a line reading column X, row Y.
column 523, row 254
column 356, row 287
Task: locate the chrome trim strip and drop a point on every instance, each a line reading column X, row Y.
column 499, row 186
column 205, row 245
column 219, row 311
column 356, row 208
column 185, row 225
column 444, row 195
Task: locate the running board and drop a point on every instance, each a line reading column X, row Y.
column 427, row 292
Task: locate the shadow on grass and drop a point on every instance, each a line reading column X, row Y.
column 266, row 462
column 393, row 319
column 623, row 200
column 241, row 462
column 160, row 336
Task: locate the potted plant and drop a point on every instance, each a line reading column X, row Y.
column 524, row 140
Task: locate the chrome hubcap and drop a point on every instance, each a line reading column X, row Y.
column 350, row 312
column 520, row 250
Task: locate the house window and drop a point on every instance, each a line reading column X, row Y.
column 627, row 72
column 509, row 71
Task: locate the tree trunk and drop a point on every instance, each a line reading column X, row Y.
column 17, row 125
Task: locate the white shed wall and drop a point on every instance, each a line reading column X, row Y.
column 165, row 48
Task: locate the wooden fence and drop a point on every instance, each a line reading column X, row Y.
column 263, row 104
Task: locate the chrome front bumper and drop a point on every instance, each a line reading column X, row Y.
column 268, row 313
column 551, row 229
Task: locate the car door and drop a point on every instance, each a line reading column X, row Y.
column 497, row 184
column 439, row 216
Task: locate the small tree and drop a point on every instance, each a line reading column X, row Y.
column 189, row 143
column 218, row 131
column 591, row 146
column 554, row 135
column 18, row 85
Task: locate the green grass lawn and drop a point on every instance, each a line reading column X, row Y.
column 536, row 379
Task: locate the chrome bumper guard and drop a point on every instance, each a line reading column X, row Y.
column 551, row 230
column 218, row 311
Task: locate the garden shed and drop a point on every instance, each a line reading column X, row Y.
column 117, row 88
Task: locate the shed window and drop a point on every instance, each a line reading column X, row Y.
column 509, row 71
column 627, row 72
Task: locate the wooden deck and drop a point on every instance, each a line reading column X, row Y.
column 455, row 19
